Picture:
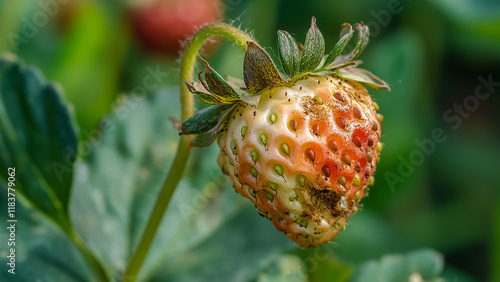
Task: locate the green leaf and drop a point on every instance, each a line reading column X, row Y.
column 322, row 262
column 339, row 47
column 204, row 120
column 43, row 251
column 259, row 70
column 236, row 250
column 116, row 186
column 426, row 265
column 37, row 138
column 327, row 268
column 284, row 268
column 363, row 76
column 289, row 53
column 314, row 48
column 218, row 86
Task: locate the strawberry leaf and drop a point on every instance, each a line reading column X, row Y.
column 219, row 87
column 339, row 47
column 426, row 264
column 37, row 138
column 363, row 76
column 259, row 70
column 50, row 253
column 314, row 48
column 204, row 120
column 289, row 53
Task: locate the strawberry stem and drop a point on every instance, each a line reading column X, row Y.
column 240, row 38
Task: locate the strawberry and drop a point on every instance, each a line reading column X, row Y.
column 302, row 149
column 161, row 25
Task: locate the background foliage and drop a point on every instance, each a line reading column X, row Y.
column 433, row 212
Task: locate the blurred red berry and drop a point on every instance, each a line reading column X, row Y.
column 161, row 25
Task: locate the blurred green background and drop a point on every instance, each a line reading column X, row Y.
column 435, row 54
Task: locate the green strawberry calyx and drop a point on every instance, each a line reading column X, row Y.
column 260, row 74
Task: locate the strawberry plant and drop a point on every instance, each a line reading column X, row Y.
column 301, row 145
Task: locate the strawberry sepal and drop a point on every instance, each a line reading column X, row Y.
column 289, row 53
column 363, row 76
column 314, row 48
column 204, row 120
column 259, row 71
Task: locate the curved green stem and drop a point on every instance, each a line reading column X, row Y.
column 174, row 175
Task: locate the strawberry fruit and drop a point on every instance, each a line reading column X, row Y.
column 161, row 25
column 302, row 149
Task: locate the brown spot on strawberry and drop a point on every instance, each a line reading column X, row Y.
column 333, row 145
column 357, row 167
column 357, row 112
column 293, row 124
column 342, row 180
column 326, row 170
column 340, row 122
column 310, row 154
column 316, row 129
column 370, row 141
column 367, row 172
column 338, row 96
column 356, row 140
column 346, row 159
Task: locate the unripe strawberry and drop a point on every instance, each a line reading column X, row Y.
column 303, row 150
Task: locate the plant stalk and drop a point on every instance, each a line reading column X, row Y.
column 178, row 166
